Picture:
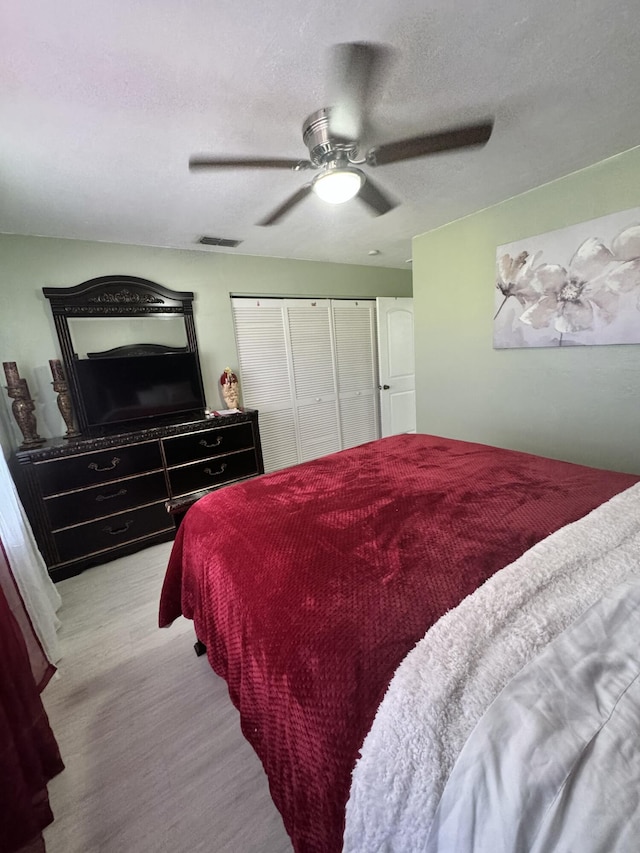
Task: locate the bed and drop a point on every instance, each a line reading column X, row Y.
column 334, row 597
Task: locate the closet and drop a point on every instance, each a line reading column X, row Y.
column 310, row 368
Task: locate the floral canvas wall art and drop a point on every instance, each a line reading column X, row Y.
column 576, row 286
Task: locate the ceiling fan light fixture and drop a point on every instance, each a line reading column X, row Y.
column 338, row 185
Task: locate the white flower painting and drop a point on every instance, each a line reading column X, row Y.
column 573, row 287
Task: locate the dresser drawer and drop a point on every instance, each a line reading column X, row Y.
column 212, row 472
column 88, row 469
column 97, row 501
column 84, row 539
column 97, row 497
column 207, row 443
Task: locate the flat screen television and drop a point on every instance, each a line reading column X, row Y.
column 137, row 387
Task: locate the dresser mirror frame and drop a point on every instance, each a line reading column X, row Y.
column 115, row 296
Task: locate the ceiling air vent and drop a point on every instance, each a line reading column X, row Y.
column 219, row 241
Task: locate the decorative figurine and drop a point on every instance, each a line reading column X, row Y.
column 64, row 399
column 230, row 388
column 22, row 407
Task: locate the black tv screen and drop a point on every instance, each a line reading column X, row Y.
column 130, row 388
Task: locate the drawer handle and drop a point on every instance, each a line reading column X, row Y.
column 116, row 531
column 93, row 466
column 211, row 473
column 205, row 443
column 112, row 495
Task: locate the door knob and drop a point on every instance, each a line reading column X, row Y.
column 383, row 387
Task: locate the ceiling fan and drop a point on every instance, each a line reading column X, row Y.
column 333, row 137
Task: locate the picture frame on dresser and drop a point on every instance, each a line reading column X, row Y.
column 113, row 489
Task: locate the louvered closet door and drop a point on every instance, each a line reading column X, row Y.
column 309, row 367
column 314, row 382
column 263, row 357
column 354, row 323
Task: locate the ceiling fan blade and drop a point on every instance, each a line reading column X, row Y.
column 355, row 70
column 284, row 208
column 431, row 143
column 247, row 163
column 373, row 196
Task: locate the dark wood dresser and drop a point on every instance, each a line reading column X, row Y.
column 92, row 499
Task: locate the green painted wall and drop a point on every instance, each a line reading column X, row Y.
column 578, row 404
column 27, row 334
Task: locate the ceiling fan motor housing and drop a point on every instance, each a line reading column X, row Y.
column 323, row 147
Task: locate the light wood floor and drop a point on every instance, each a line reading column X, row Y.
column 155, row 760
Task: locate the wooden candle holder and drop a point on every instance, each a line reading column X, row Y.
column 64, row 398
column 22, row 407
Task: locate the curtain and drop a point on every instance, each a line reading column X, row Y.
column 41, row 667
column 29, row 755
column 22, row 569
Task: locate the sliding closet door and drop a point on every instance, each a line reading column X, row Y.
column 309, row 367
column 354, row 323
column 315, row 399
column 265, row 379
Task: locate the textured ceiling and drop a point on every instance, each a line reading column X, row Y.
column 102, row 103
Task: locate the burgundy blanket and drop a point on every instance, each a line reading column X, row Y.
column 310, row 585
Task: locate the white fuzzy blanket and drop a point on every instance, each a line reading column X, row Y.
column 450, row 678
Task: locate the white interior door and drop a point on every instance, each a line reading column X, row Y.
column 396, row 361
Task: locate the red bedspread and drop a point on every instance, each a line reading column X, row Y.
column 310, row 585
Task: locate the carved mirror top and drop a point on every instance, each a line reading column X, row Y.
column 118, row 296
column 150, row 315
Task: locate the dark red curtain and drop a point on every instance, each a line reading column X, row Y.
column 29, row 755
column 41, row 668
